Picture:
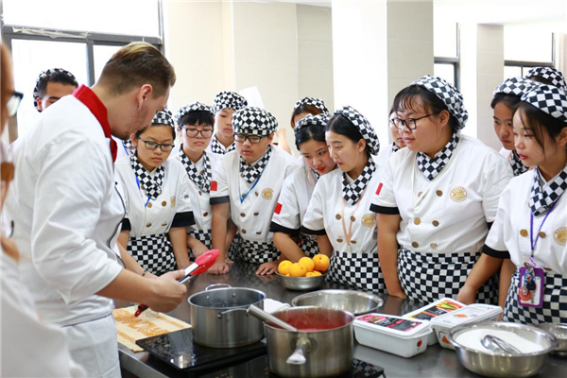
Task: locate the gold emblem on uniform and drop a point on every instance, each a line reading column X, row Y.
column 267, row 193
column 172, row 202
column 560, row 236
column 458, row 194
column 369, row 220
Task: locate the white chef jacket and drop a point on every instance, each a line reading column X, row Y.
column 449, row 214
column 513, row 222
column 324, row 214
column 200, row 201
column 122, row 151
column 252, row 217
column 157, row 217
column 67, row 213
column 384, row 155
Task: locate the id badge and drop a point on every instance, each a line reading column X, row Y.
column 536, row 296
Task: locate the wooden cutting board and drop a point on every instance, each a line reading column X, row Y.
column 130, row 328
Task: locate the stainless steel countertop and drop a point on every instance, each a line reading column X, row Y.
column 434, row 362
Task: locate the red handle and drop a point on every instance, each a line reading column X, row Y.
column 205, row 261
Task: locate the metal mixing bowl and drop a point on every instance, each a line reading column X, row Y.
column 302, row 283
column 559, row 330
column 504, row 365
column 352, row 301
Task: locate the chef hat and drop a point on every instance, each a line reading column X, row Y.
column 447, row 93
column 362, row 124
column 311, row 120
column 549, row 73
column 313, row 101
column 254, row 121
column 548, row 99
column 229, row 100
column 515, row 86
column 44, row 75
column 193, row 107
column 163, row 117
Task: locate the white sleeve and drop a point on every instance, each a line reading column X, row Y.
column 287, row 213
column 219, row 185
column 495, row 244
column 495, row 181
column 313, row 222
column 69, row 195
column 384, row 201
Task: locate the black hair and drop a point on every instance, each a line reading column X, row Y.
column 340, row 124
column 304, row 108
column 140, row 132
column 540, row 122
column 509, row 100
column 197, row 118
column 406, row 99
column 55, row 77
column 307, row 133
column 539, row 79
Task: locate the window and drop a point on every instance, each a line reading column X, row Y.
column 526, row 46
column 446, row 51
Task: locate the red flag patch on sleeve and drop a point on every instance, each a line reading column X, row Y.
column 278, row 208
column 379, row 189
column 214, row 186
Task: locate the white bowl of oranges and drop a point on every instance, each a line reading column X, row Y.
column 306, row 274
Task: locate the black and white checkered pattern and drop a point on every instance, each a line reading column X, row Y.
column 517, row 167
column 358, row 270
column 516, row 86
column 395, row 147
column 201, row 178
column 218, row 148
column 550, row 74
column 353, row 191
column 447, row 93
column 154, row 253
column 365, row 128
column 313, row 101
column 254, row 121
column 193, row 107
column 128, row 144
column 553, row 310
column 432, row 167
column 204, row 236
column 251, row 172
column 256, row 252
column 233, row 249
column 308, row 244
column 320, row 120
column 45, row 74
column 548, row 99
column 229, row 100
column 541, row 198
column 426, row 277
column 163, row 117
column 152, row 186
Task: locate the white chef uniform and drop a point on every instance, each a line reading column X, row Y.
column 385, row 154
column 68, row 218
column 444, row 221
column 149, row 219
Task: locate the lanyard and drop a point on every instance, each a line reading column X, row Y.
column 348, row 235
column 138, row 183
column 252, row 188
column 533, row 244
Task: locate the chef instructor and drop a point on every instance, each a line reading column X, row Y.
column 69, row 211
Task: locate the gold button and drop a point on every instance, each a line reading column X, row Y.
column 148, row 225
column 524, row 233
column 143, row 187
column 526, row 264
column 164, row 203
column 199, row 192
column 439, row 193
column 242, row 175
column 164, row 224
column 258, row 232
column 417, row 221
column 339, row 240
column 243, row 231
column 435, row 223
column 242, row 215
column 547, row 268
column 353, row 241
column 415, row 244
column 542, row 234
column 150, row 205
column 205, row 214
column 419, row 194
column 256, row 193
column 352, row 218
column 338, row 216
column 433, row 245
column 256, row 213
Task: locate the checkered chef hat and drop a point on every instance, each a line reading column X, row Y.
column 42, row 76
column 313, row 101
column 447, row 93
column 362, row 124
column 229, row 100
column 516, row 86
column 549, row 73
column 311, row 120
column 163, row 117
column 254, row 121
column 193, row 107
column 549, row 99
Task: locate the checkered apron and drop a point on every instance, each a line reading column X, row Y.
column 308, row 244
column 359, row 270
column 233, row 249
column 204, row 236
column 154, row 253
column 426, row 277
column 554, row 309
column 256, row 252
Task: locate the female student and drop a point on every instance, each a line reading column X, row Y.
column 303, row 107
column 397, row 144
column 298, row 189
column 531, row 225
column 225, row 104
column 156, row 197
column 246, row 185
column 196, row 122
column 338, row 211
column 437, row 198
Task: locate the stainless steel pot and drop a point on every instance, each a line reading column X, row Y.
column 352, row 301
column 322, row 353
column 219, row 318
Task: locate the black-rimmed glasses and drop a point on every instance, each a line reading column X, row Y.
column 411, row 123
column 254, row 139
column 153, row 145
column 205, row 133
column 14, row 103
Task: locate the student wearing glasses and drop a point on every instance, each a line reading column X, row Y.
column 438, row 197
column 157, row 200
column 246, row 186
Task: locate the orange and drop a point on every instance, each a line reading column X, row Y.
column 307, row 263
column 313, row 274
column 297, row 270
column 283, row 268
column 321, row 262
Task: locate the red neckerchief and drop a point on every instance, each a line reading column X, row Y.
column 97, row 108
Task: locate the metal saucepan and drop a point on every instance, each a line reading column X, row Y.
column 355, row 302
column 219, row 317
column 559, row 330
